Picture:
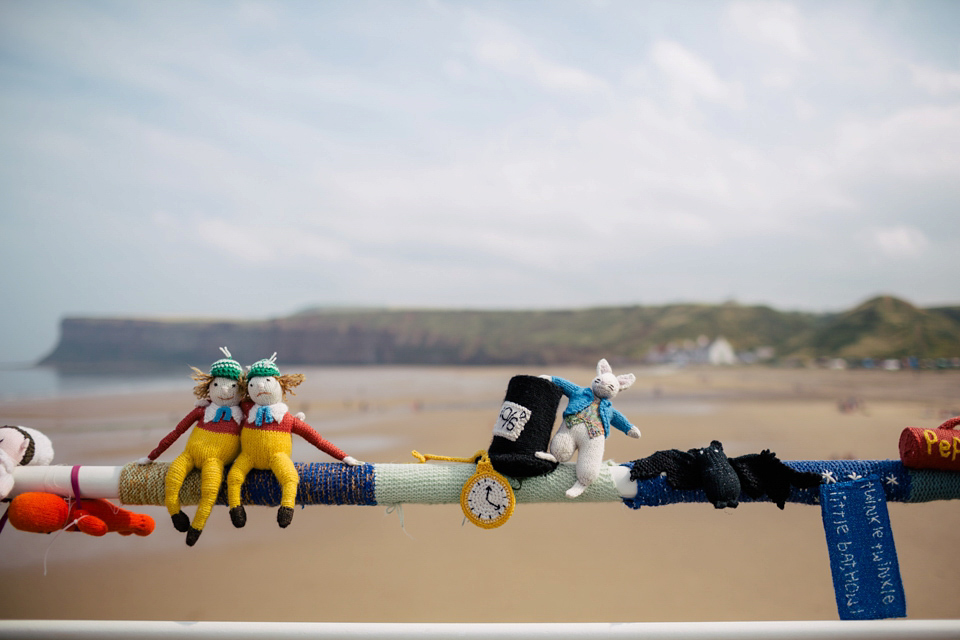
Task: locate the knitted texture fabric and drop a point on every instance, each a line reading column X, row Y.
column 320, row 483
column 932, row 448
column 552, row 487
column 209, row 452
column 524, row 426
column 930, row 485
column 723, row 479
column 719, row 480
column 270, row 447
column 387, row 484
column 45, row 513
column 896, row 481
column 421, row 483
column 265, row 367
column 226, row 368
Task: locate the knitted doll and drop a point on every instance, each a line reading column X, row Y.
column 266, row 441
column 21, row 446
column 586, row 424
column 214, row 443
column 38, row 512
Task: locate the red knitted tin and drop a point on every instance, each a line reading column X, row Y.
column 932, row 448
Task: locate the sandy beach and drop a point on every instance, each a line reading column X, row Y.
column 549, row 563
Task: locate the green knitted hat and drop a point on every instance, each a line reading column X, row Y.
column 265, row 367
column 226, row 367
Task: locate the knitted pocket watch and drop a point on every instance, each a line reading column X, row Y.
column 487, row 499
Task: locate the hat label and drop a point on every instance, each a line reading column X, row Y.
column 511, row 420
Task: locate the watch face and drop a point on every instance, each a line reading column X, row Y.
column 487, row 501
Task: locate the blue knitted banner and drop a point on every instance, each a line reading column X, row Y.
column 863, row 559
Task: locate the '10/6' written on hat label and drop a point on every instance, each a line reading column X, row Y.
column 511, row 420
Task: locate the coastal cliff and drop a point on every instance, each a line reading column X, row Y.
column 880, row 328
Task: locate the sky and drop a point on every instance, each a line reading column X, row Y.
column 250, row 159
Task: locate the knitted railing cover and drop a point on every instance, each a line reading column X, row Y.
column 388, row 484
column 320, row 483
column 900, row 484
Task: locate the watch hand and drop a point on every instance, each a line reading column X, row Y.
column 491, row 503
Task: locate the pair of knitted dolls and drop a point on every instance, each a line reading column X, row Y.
column 241, row 419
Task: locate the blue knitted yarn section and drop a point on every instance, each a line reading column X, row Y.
column 320, row 483
column 893, row 475
column 896, row 480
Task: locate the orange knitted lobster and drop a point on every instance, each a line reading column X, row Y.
column 38, row 512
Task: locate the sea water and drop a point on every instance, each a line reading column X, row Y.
column 48, row 382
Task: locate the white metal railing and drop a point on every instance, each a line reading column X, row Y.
column 805, row 630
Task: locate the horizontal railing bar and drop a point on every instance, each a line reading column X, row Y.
column 777, row 630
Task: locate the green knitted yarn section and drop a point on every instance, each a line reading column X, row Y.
column 440, row 483
column 553, row 486
column 412, row 483
column 928, row 485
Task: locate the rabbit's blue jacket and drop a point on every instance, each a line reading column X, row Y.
column 581, row 397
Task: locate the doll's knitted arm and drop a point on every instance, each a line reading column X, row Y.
column 566, row 387
column 620, row 421
column 117, row 519
column 178, row 431
column 87, row 523
column 310, row 434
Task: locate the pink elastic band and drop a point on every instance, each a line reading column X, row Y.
column 75, row 481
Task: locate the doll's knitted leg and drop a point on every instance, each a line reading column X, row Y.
column 563, row 445
column 176, row 474
column 211, row 476
column 238, row 473
column 589, row 459
column 287, row 476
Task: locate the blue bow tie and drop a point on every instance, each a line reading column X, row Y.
column 224, row 414
column 263, row 415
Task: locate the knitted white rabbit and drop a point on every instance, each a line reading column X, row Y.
column 586, row 424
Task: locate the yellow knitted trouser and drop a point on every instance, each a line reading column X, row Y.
column 210, row 451
column 262, row 449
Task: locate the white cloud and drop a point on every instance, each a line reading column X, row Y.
column 439, row 155
column 777, row 25
column 691, row 77
column 263, row 243
column 508, row 52
column 899, row 242
column 936, row 81
column 918, row 142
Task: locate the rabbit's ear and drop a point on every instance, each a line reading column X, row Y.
column 626, row 380
column 603, row 367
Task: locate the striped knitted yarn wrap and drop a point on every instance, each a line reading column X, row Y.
column 433, row 483
column 320, row 483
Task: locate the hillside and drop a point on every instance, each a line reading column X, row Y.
column 883, row 327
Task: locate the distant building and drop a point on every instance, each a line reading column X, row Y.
column 699, row 351
column 721, row 352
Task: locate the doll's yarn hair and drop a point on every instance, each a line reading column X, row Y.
column 204, row 380
column 290, row 380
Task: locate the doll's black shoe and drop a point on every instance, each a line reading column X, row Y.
column 284, row 516
column 238, row 516
column 180, row 521
column 192, row 536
